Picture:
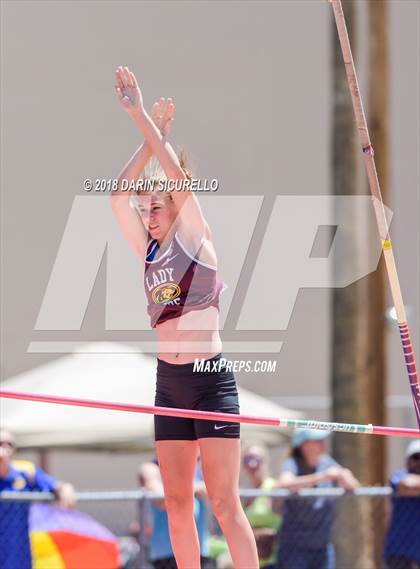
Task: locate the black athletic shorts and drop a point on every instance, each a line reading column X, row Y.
column 214, row 389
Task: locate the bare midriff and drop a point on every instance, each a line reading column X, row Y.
column 193, row 335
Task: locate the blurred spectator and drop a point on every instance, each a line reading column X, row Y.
column 305, row 534
column 261, row 511
column 22, row 476
column 402, row 547
column 160, row 553
column 129, row 549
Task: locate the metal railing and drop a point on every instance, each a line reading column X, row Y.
column 359, row 521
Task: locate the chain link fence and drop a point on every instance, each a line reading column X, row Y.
column 319, row 528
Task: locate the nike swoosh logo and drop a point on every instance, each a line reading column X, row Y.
column 169, row 259
column 217, row 427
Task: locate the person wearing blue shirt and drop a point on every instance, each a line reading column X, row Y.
column 402, row 546
column 305, row 533
column 160, row 550
column 22, row 476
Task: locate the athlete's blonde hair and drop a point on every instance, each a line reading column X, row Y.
column 154, row 171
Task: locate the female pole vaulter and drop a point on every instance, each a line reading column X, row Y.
column 174, row 242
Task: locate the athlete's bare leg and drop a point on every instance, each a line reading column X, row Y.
column 177, row 463
column 221, row 459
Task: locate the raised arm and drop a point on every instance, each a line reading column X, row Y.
column 127, row 217
column 131, row 99
column 123, row 202
column 192, row 225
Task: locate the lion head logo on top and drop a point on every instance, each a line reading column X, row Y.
column 165, row 293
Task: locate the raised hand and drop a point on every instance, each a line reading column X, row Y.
column 128, row 91
column 163, row 115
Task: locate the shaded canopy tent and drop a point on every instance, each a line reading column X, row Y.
column 107, row 375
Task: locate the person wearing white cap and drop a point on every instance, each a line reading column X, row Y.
column 402, row 546
column 305, row 533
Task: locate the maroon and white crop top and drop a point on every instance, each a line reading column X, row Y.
column 178, row 282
